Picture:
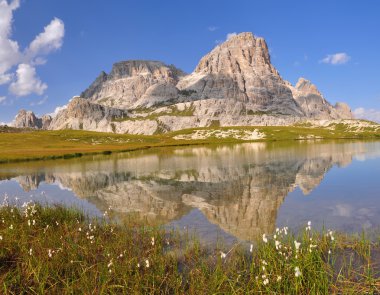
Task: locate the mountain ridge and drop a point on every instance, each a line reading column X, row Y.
column 235, row 84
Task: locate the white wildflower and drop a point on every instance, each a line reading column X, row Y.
column 50, row 254
column 297, row 272
column 1, row 238
column 152, row 242
column 279, row 278
column 266, row 282
column 147, row 263
column 265, row 240
column 222, row 255
column 297, row 245
column 251, row 248
column 278, row 245
column 110, row 263
column 11, row 226
column 30, row 251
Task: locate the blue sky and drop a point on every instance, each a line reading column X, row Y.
column 51, row 50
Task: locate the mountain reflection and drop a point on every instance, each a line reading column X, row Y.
column 240, row 188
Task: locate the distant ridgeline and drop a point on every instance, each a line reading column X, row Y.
column 233, row 85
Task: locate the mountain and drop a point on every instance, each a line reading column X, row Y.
column 233, row 85
column 27, row 119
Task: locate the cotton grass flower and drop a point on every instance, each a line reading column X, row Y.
column 266, row 282
column 297, row 245
column 147, row 263
column 265, row 239
column 152, row 242
column 279, row 278
column 222, row 255
column 297, row 272
column 251, row 248
column 1, row 238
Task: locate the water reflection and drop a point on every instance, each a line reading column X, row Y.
column 239, row 188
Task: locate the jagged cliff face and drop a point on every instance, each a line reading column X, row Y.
column 240, row 69
column 233, row 85
column 27, row 119
column 314, row 105
column 135, row 83
column 239, row 188
column 82, row 114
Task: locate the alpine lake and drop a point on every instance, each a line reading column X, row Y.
column 230, row 192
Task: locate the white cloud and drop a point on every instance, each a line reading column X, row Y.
column 27, row 82
column 212, row 28
column 368, row 114
column 336, row 59
column 11, row 57
column 57, row 110
column 40, row 102
column 2, row 99
column 230, row 35
column 49, row 40
column 9, row 49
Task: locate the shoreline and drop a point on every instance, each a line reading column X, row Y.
column 68, row 144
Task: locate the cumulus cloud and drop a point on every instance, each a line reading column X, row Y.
column 18, row 68
column 27, row 82
column 49, row 40
column 57, row 110
column 336, row 59
column 40, row 102
column 230, row 35
column 368, row 114
column 9, row 49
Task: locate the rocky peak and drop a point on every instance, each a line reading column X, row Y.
column 132, row 83
column 344, row 110
column 133, row 68
column 305, row 87
column 26, row 119
column 241, row 53
column 240, row 69
column 314, row 105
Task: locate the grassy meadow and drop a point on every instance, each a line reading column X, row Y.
column 56, row 250
column 21, row 145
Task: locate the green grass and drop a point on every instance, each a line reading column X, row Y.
column 25, row 145
column 170, row 111
column 55, row 250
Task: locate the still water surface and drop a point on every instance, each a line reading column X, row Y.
column 229, row 191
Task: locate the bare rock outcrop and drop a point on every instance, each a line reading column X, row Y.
column 240, row 69
column 135, row 83
column 314, row 105
column 80, row 113
column 27, row 119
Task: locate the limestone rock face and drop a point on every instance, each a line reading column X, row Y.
column 26, row 119
column 344, row 110
column 314, row 105
column 135, row 83
column 45, row 121
column 240, row 69
column 233, row 85
column 82, row 114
